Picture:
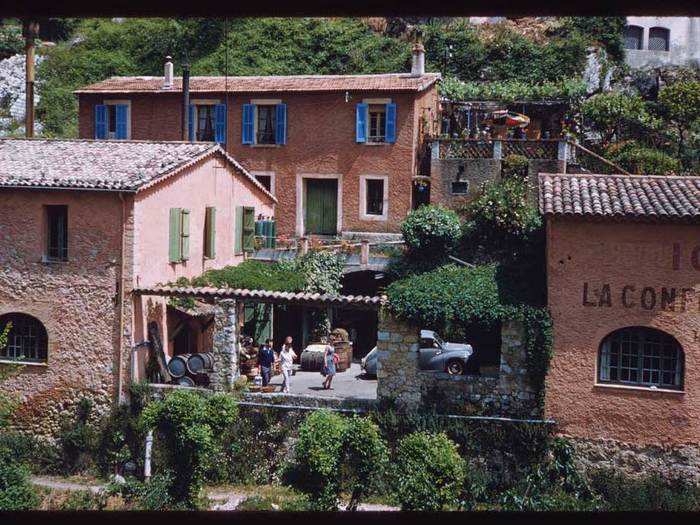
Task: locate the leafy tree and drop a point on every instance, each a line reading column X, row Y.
column 317, row 456
column 431, row 230
column 608, row 113
column 191, row 427
column 636, row 158
column 366, row 457
column 604, row 30
column 680, row 104
column 429, row 472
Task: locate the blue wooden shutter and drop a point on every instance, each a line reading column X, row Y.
column 248, row 125
column 190, row 130
column 220, row 123
column 100, row 121
column 361, row 123
column 122, row 115
column 281, row 130
column 390, row 129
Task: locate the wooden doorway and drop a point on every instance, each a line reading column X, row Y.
column 321, row 210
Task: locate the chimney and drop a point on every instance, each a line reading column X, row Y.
column 168, row 76
column 418, row 58
column 185, row 101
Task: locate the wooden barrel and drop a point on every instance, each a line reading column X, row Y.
column 178, row 365
column 185, row 381
column 201, row 379
column 200, row 362
column 312, row 361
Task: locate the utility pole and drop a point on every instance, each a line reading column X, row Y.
column 30, row 30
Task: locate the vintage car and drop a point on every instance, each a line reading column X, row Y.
column 433, row 354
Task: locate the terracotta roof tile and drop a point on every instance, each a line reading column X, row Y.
column 100, row 164
column 622, row 196
column 384, row 82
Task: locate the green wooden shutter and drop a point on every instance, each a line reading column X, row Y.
column 248, row 229
column 174, row 237
column 238, row 231
column 210, row 233
column 185, row 234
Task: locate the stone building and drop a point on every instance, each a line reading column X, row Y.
column 338, row 151
column 82, row 224
column 623, row 270
column 657, row 41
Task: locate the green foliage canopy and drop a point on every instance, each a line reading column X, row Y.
column 431, row 230
column 429, row 472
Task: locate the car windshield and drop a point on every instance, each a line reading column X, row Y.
column 439, row 341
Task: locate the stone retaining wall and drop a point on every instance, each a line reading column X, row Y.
column 401, row 382
column 669, row 462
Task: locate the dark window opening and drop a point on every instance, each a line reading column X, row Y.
column 375, row 197
column 57, row 233
column 641, row 356
column 377, row 123
column 266, row 125
column 460, row 187
column 659, row 39
column 112, row 119
column 266, row 181
column 632, row 37
column 27, row 339
column 205, row 123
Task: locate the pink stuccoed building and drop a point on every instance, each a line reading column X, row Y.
column 84, row 222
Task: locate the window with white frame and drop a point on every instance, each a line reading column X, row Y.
column 265, row 124
column 267, row 179
column 205, row 122
column 374, row 198
column 641, row 356
column 377, row 123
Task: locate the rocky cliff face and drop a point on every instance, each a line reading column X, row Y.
column 12, row 96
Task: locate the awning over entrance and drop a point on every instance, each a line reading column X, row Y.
column 365, row 302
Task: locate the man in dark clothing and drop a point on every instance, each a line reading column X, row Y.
column 266, row 359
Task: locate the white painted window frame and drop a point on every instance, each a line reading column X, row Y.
column 363, row 198
column 270, row 174
column 113, row 102
column 301, row 199
column 201, row 102
column 263, row 102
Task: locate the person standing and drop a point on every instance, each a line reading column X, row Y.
column 329, row 361
column 266, row 359
column 287, row 356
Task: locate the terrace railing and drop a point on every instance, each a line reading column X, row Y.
column 591, row 162
column 546, row 149
column 532, row 149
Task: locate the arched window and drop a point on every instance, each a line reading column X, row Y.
column 632, row 37
column 659, row 38
column 27, row 340
column 641, row 356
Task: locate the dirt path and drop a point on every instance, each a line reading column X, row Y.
column 52, row 483
column 221, row 500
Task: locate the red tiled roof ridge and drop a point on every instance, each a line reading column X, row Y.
column 543, row 174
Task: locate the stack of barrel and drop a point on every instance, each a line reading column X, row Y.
column 191, row 369
column 341, row 343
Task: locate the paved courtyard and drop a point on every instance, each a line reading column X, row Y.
column 349, row 384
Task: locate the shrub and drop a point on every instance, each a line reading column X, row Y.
column 297, row 503
column 431, row 230
column 680, row 104
column 649, row 493
column 315, row 469
column 501, row 217
column 78, row 440
column 151, row 495
column 365, row 458
column 11, row 41
column 16, row 491
column 429, row 472
column 644, row 161
column 191, row 428
column 514, row 166
column 84, row 500
column 608, row 113
column 254, row 275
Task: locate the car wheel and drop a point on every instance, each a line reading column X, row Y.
column 455, row 367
